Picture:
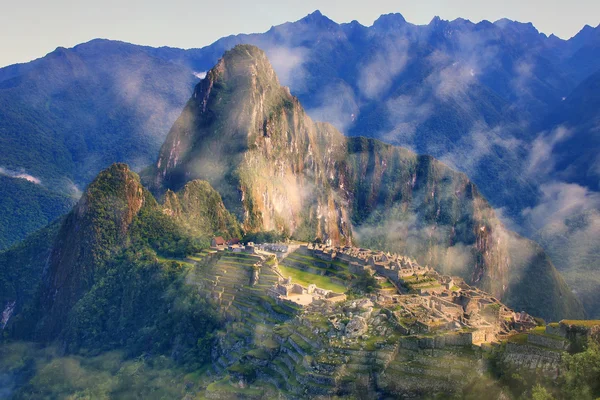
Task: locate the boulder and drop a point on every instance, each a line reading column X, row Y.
column 356, row 327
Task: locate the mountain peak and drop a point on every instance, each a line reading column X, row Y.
column 316, row 18
column 95, row 228
column 388, row 22
column 244, row 61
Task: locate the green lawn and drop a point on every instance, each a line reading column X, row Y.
column 306, row 278
column 585, row 323
column 520, row 338
column 178, row 260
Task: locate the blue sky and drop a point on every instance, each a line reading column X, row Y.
column 31, row 29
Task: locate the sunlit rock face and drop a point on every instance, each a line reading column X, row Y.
column 276, row 169
column 250, row 138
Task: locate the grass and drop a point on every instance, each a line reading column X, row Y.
column 519, row 338
column 585, row 323
column 541, row 330
column 305, row 278
column 177, row 260
column 259, row 353
column 385, row 284
column 224, row 385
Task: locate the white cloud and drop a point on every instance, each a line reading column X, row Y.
column 338, row 106
column 200, row 75
column 405, row 115
column 21, row 174
column 541, row 161
column 288, row 64
column 378, row 73
column 559, row 201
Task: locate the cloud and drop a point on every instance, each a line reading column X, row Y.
column 452, row 81
column 288, row 64
column 376, row 76
column 407, row 234
column 72, row 189
column 541, row 161
column 481, row 141
column 405, row 115
column 559, row 201
column 523, row 70
column 200, row 75
column 21, row 174
column 338, row 106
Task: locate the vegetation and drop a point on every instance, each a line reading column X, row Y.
column 26, row 207
column 579, row 376
column 265, row 237
column 127, row 292
column 30, row 372
column 365, row 283
column 305, row 278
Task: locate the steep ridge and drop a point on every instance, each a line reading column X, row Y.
column 277, row 169
column 54, row 282
column 92, row 232
column 250, row 138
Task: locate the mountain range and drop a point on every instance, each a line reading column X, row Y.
column 244, row 134
column 480, row 97
column 124, row 289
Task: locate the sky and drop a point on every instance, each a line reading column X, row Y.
column 31, row 29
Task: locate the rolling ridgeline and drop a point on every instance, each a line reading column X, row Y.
column 244, row 157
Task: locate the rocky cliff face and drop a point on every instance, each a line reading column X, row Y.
column 250, row 138
column 277, row 169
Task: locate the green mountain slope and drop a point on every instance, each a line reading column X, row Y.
column 111, row 274
column 26, row 207
column 76, row 111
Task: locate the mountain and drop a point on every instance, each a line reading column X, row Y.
column 276, row 169
column 576, row 155
column 70, row 114
column 568, row 218
column 122, row 297
column 462, row 92
column 157, row 314
column 116, row 245
column 469, row 94
column 25, row 206
column 573, row 245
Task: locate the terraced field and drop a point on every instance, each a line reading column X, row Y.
column 305, row 269
column 270, row 350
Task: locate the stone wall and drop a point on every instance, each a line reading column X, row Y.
column 557, row 330
column 532, row 357
column 462, row 339
column 546, row 341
